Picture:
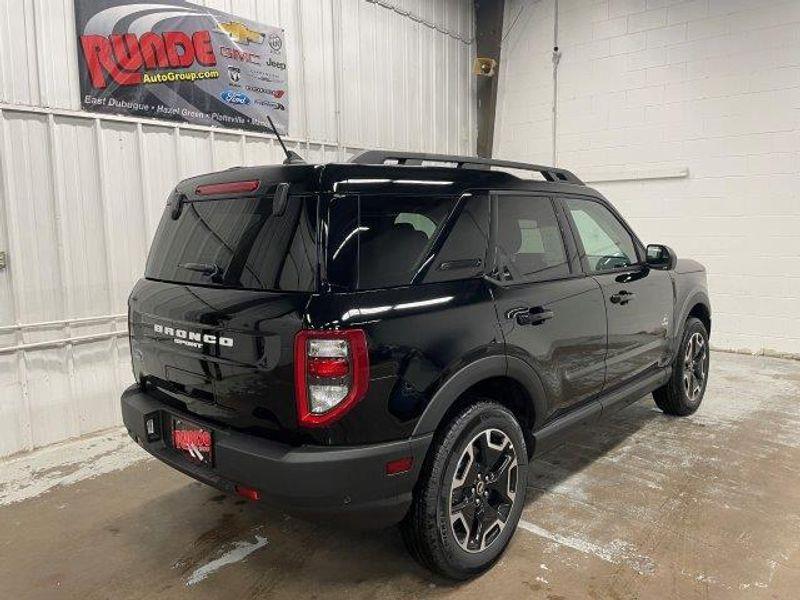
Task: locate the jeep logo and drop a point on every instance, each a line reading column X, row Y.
column 192, row 339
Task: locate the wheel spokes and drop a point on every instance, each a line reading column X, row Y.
column 483, row 490
column 498, row 469
column 694, row 365
column 458, row 506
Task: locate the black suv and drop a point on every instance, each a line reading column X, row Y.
column 393, row 338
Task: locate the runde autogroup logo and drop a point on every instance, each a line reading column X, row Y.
column 234, row 74
column 234, row 97
column 275, row 42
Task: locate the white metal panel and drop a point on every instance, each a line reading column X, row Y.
column 81, row 226
column 124, row 215
column 81, row 194
column 30, row 212
column 227, row 151
column 160, row 168
column 390, row 66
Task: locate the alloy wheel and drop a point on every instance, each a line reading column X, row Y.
column 483, row 490
column 694, row 366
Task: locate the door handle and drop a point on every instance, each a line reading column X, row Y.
column 516, row 312
column 622, row 297
column 530, row 316
column 467, row 263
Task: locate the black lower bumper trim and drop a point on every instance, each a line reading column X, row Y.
column 350, row 482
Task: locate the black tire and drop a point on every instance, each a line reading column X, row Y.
column 673, row 397
column 464, row 444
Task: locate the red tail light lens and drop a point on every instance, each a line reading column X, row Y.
column 233, row 187
column 331, row 374
column 328, row 367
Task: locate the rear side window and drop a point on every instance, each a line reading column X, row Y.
column 388, row 240
column 529, row 242
column 238, row 243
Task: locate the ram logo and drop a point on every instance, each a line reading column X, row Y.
column 193, row 339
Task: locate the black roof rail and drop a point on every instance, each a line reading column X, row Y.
column 379, row 157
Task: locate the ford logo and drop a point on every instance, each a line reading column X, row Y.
column 233, row 97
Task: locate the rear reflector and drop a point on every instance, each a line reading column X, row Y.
column 328, row 367
column 401, row 465
column 248, row 492
column 331, row 371
column 233, row 187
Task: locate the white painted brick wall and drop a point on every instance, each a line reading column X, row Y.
column 708, row 85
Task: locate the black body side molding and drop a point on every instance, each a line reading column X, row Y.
column 552, row 434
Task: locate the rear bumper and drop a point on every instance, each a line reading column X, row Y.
column 349, row 482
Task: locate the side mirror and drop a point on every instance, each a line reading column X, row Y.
column 661, row 257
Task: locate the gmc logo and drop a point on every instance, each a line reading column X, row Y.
column 192, row 338
column 235, row 54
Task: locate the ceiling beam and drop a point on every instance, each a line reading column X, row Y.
column 488, row 38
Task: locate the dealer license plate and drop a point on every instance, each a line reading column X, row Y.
column 192, row 441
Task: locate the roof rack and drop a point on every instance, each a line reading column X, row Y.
column 379, row 157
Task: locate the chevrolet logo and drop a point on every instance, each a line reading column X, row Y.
column 241, row 33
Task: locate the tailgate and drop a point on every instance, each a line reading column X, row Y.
column 226, row 355
column 226, row 284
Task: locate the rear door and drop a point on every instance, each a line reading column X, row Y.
column 213, row 322
column 639, row 300
column 552, row 315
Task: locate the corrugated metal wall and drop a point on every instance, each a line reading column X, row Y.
column 80, row 195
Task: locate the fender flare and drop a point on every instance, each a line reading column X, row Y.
column 697, row 297
column 475, row 372
column 526, row 375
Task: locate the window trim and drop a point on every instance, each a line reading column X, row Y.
column 570, row 252
column 584, row 261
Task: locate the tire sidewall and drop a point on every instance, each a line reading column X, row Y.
column 491, row 417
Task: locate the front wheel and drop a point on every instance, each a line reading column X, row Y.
column 684, row 391
column 471, row 493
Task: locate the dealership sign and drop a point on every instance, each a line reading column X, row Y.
column 182, row 62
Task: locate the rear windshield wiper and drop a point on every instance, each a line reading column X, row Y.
column 209, row 269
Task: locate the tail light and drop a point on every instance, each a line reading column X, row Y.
column 232, row 187
column 331, row 374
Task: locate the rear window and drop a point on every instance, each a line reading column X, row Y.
column 238, row 243
column 390, row 240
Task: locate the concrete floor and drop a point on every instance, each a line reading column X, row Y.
column 642, row 506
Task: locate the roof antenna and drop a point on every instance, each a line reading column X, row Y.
column 292, row 157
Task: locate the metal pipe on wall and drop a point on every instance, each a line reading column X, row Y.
column 556, row 61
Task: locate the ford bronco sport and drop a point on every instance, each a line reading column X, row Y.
column 392, row 339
